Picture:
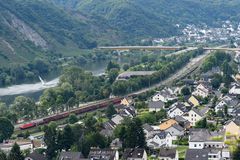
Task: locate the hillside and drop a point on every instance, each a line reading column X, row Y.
column 35, row 28
column 45, row 28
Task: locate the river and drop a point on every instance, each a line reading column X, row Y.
column 35, row 90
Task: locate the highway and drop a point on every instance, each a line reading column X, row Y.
column 191, row 66
column 165, row 48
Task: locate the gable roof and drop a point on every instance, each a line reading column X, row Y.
column 196, row 154
column 103, row 154
column 165, row 125
column 70, row 156
column 169, row 153
column 36, row 156
column 178, row 127
column 133, row 153
column 156, row 104
column 162, row 134
column 147, row 127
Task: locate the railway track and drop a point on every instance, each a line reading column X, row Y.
column 189, row 68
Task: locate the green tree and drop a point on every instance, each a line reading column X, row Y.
column 185, row 91
column 24, row 107
column 216, row 81
column 3, row 156
column 110, row 111
column 67, row 138
column 112, row 65
column 72, row 118
column 50, row 139
column 112, row 75
column 6, row 129
column 202, row 123
column 15, row 153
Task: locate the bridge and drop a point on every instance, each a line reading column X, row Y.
column 171, row 48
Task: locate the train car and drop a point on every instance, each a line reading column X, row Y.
column 27, row 126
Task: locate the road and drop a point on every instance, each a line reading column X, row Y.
column 191, row 66
column 165, row 48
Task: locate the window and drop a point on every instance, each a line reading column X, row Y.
column 195, row 145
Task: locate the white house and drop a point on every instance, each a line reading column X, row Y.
column 194, row 115
column 177, row 109
column 235, row 90
column 176, row 131
column 202, row 138
column 230, row 102
column 161, row 139
column 134, row 154
column 202, row 90
column 165, row 95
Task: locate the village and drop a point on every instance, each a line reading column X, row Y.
column 195, row 118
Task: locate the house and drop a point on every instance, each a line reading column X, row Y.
column 116, row 144
column 160, row 139
column 236, row 112
column 176, row 131
column 232, row 127
column 194, row 101
column 70, row 156
column 229, row 101
column 128, row 111
column 168, row 154
column 148, row 130
column 134, row 154
column 155, row 106
column 35, row 156
column 182, row 122
column 164, row 95
column 177, row 109
column 126, row 101
column 23, row 144
column 103, row 154
column 202, row 90
column 235, row 90
column 117, row 119
column 207, row 154
column 203, row 138
column 165, row 125
column 195, row 115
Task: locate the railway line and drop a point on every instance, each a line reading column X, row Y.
column 190, row 67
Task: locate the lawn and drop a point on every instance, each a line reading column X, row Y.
column 182, row 151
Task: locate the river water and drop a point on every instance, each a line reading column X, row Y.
column 35, row 90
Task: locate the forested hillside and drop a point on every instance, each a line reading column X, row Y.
column 45, row 28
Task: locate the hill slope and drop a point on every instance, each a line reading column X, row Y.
column 43, row 28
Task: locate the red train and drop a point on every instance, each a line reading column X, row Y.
column 88, row 108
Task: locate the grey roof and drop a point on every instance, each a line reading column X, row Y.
column 181, row 106
column 166, row 93
column 162, row 134
column 167, row 153
column 36, row 156
column 70, row 156
column 199, row 135
column 156, row 104
column 197, row 154
column 102, row 154
column 203, row 135
column 178, row 127
column 148, row 127
column 180, row 119
column 133, row 153
column 129, row 74
column 198, row 111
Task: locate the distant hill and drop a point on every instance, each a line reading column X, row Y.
column 44, row 28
